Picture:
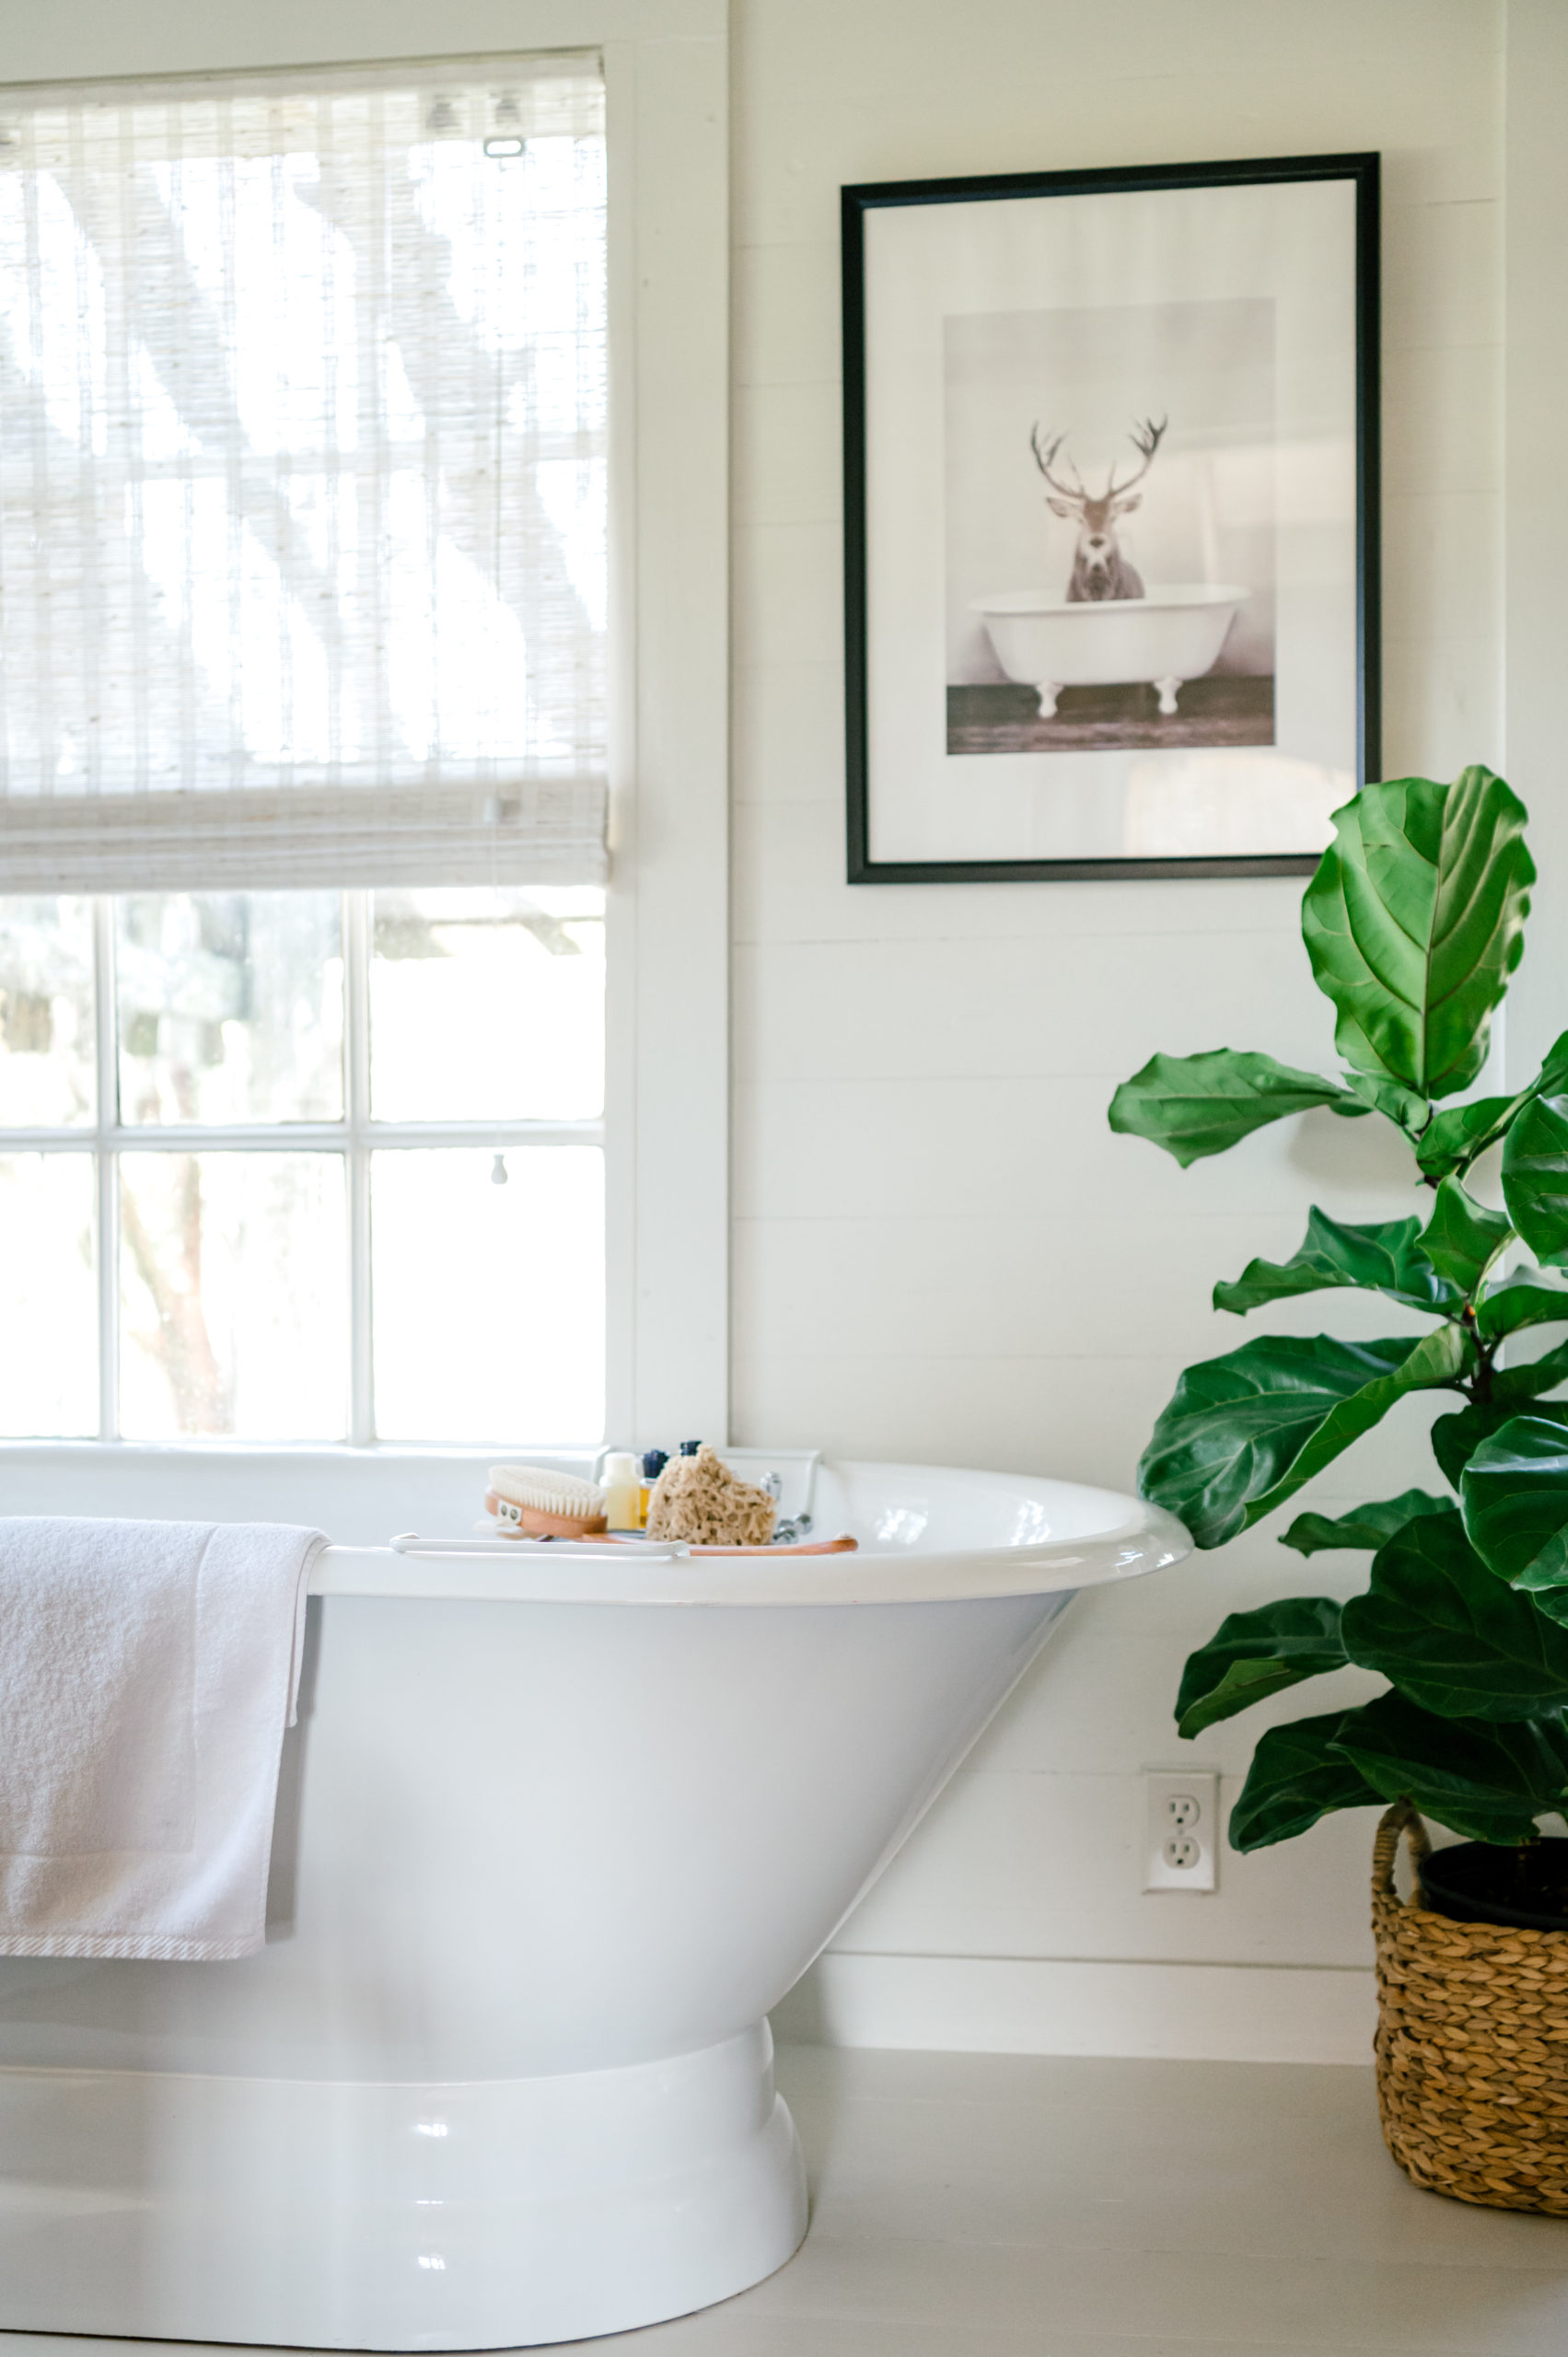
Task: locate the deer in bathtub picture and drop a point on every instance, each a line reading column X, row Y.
column 1101, row 571
column 1111, row 629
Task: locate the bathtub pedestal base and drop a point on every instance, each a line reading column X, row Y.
column 330, row 2215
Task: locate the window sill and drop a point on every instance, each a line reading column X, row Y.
column 360, row 1496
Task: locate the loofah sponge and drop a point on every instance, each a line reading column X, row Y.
column 698, row 1499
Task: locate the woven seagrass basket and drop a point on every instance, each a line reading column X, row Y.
column 1472, row 2044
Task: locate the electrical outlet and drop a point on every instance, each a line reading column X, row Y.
column 1181, row 1828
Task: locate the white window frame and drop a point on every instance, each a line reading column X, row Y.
column 666, row 1123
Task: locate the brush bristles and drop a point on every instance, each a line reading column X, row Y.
column 542, row 1490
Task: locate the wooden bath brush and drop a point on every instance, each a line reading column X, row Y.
column 530, row 1502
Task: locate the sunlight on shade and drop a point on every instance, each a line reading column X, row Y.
column 259, row 224
column 339, row 516
column 63, row 340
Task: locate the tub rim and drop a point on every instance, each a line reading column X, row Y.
column 1160, row 597
column 1144, row 1539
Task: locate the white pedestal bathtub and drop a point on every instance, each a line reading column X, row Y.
column 1172, row 633
column 555, row 1833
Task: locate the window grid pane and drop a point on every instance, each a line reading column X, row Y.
column 215, row 1278
column 234, row 1295
column 488, row 1285
column 443, row 963
column 230, row 1007
column 48, row 1251
column 48, row 1055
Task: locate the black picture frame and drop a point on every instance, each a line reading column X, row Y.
column 860, row 201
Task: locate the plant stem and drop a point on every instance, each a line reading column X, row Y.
column 1478, row 1388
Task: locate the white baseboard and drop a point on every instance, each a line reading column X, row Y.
column 1230, row 2012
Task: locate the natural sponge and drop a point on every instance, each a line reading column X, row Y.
column 700, row 1500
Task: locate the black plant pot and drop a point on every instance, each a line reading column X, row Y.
column 1478, row 1882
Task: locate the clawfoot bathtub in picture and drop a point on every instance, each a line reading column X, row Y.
column 1171, row 635
column 558, row 1827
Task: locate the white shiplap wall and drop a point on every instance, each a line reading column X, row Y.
column 940, row 1251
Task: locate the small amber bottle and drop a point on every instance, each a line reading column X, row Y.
column 654, row 1462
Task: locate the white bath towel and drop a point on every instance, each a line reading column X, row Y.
column 148, row 1670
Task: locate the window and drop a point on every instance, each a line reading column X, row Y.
column 655, row 95
column 303, row 1164
column 303, row 755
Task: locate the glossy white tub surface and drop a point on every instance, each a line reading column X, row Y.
column 553, row 1835
column 1172, row 633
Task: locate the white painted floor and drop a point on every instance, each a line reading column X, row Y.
column 981, row 2205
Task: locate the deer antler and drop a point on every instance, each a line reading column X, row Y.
column 1043, row 458
column 1145, row 438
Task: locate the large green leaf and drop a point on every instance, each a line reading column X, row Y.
column 1399, row 1104
column 1514, row 1499
column 1526, row 1298
column 1462, row 1239
column 1513, row 1386
column 1489, row 1782
column 1257, row 1653
column 1387, row 1259
column 1368, row 1526
column 1414, row 921
column 1452, row 1140
column 1243, row 1432
column 1442, row 1629
column 1199, row 1105
column 1297, row 1777
column 1535, row 1176
column 1454, row 1439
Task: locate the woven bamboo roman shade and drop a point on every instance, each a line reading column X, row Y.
column 302, row 480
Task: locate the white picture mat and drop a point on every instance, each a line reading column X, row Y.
column 1293, row 242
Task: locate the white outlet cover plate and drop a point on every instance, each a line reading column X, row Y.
column 1164, row 1789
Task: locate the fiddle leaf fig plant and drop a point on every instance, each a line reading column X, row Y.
column 1413, row 924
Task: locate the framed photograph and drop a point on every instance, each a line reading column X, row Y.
column 1110, row 518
